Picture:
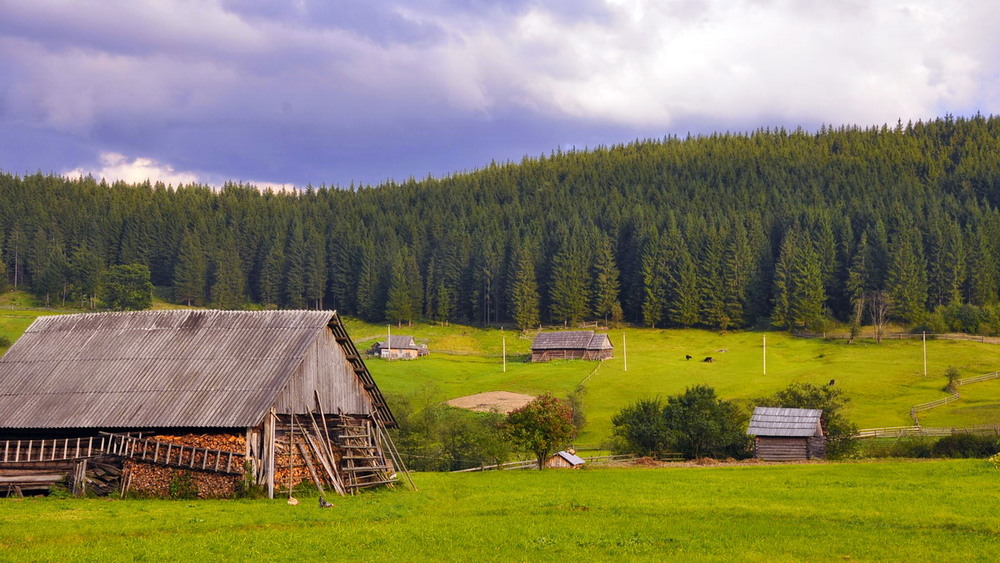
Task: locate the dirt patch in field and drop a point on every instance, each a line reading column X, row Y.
column 503, row 401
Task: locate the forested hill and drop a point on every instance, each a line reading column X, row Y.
column 720, row 231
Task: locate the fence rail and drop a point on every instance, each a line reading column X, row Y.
column 906, row 431
column 532, row 464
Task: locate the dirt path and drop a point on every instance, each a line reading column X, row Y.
column 503, row 401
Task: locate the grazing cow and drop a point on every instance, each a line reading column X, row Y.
column 708, row 359
column 687, row 357
column 832, row 381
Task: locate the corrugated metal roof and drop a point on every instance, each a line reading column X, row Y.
column 573, row 459
column 154, row 368
column 400, row 342
column 571, row 340
column 771, row 421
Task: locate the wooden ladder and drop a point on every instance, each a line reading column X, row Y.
column 363, row 463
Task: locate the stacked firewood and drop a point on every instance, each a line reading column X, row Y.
column 226, row 442
column 147, row 479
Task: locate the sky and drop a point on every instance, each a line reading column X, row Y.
column 335, row 92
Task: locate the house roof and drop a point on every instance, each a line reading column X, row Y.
column 573, row 459
column 399, row 342
column 159, row 368
column 571, row 340
column 770, row 421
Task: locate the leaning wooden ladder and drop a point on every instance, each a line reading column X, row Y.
column 363, row 462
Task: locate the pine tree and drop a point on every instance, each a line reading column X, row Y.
column 906, row 281
column 654, row 277
column 606, row 285
column 191, row 270
column 568, row 293
column 524, row 297
column 227, row 291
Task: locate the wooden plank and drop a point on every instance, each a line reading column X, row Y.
column 312, row 470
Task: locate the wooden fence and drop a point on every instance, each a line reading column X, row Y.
column 906, row 431
column 532, row 464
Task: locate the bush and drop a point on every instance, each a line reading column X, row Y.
column 966, row 446
column 909, row 447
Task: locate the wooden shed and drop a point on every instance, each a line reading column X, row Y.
column 564, row 460
column 571, row 344
column 398, row 347
column 120, row 400
column 785, row 434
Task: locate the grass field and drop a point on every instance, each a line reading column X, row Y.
column 924, row 511
column 883, row 381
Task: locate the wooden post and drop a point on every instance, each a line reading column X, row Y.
column 624, row 352
column 765, row 353
column 269, row 433
column 924, row 336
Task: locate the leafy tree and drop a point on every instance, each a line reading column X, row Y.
column 127, row 288
column 698, row 424
column 542, row 426
column 642, row 426
column 831, row 400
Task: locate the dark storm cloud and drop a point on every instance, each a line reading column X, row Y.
column 321, row 92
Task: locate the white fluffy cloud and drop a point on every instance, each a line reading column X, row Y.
column 114, row 167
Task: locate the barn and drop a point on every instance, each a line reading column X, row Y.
column 571, row 344
column 398, row 347
column 785, row 434
column 140, row 401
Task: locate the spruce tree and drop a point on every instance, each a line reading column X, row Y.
column 524, row 297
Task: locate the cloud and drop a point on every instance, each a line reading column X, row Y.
column 115, row 167
column 319, row 92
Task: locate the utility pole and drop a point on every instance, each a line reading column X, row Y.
column 624, row 352
column 765, row 354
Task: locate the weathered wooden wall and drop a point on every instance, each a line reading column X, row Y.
column 325, row 369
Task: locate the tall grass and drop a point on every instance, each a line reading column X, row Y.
column 927, row 511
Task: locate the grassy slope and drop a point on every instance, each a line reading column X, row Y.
column 883, row 381
column 927, row 511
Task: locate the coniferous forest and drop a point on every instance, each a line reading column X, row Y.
column 783, row 228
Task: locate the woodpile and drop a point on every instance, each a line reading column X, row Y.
column 146, row 479
column 226, row 442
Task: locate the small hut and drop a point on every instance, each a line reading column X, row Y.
column 398, row 347
column 564, row 460
column 785, row 434
column 571, row 345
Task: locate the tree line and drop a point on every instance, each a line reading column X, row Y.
column 778, row 227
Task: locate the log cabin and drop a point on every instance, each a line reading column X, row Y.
column 786, row 434
column 571, row 344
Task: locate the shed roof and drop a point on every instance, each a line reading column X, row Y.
column 573, row 459
column 571, row 340
column 771, row 421
column 158, row 368
column 399, row 342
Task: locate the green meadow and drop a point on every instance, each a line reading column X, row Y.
column 882, row 380
column 917, row 511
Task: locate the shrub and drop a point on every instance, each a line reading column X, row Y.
column 966, row 445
